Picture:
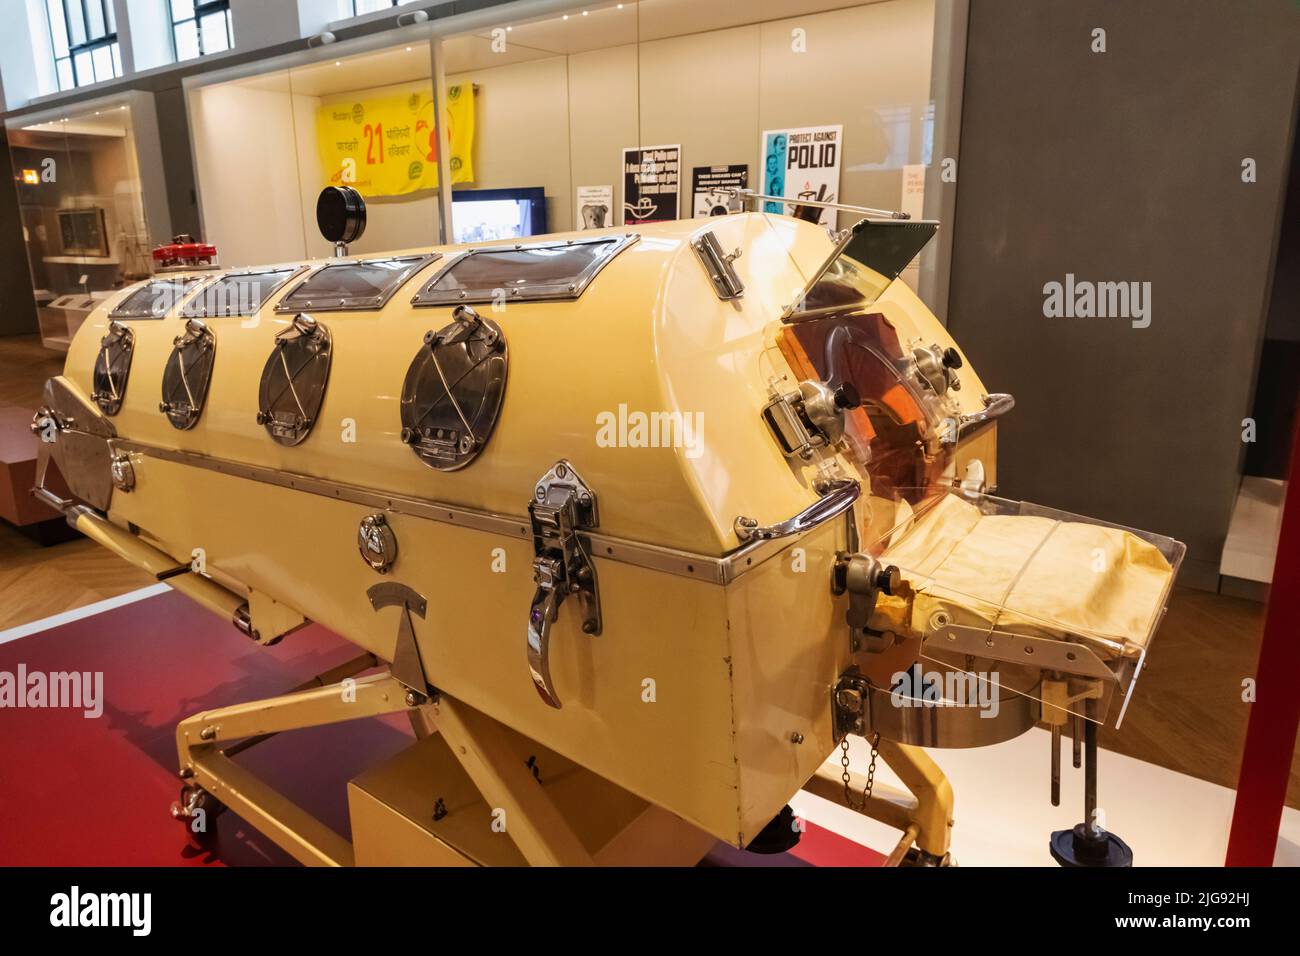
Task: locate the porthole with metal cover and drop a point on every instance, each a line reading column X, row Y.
column 451, row 398
column 524, row 271
column 294, row 379
column 354, row 285
column 187, row 375
column 112, row 368
column 156, row 299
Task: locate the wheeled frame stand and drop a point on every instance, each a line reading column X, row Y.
column 478, row 792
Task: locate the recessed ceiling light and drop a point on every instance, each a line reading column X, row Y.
column 408, row 49
column 338, row 63
column 508, row 29
column 565, row 17
column 584, row 13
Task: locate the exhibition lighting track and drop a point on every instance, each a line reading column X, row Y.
column 699, row 567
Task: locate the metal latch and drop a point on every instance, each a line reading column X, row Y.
column 865, row 579
column 718, row 266
column 850, row 705
column 562, row 505
column 810, row 417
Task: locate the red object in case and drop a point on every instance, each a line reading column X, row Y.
column 184, row 250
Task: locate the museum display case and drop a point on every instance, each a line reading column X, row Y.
column 86, row 210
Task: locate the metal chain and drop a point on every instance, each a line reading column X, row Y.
column 849, row 798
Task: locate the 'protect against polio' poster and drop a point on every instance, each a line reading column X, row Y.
column 803, row 163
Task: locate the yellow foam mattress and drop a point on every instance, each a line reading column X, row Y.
column 1047, row 577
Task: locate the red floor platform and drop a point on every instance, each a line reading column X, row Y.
column 80, row 791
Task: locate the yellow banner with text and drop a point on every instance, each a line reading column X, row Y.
column 385, row 145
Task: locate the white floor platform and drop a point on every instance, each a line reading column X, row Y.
column 1004, row 815
column 1250, row 549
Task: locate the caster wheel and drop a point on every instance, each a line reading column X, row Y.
column 197, row 811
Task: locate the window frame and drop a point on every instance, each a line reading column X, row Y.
column 560, row 287
column 108, row 40
column 202, row 8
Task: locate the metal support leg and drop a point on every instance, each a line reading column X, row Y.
column 483, row 746
column 204, row 763
column 928, row 814
column 1089, row 844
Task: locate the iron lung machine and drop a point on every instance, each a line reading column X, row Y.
column 637, row 526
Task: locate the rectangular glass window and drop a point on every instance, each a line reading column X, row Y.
column 236, row 294
column 360, row 284
column 58, row 28
column 200, row 27
column 549, row 270
column 155, row 299
column 83, row 38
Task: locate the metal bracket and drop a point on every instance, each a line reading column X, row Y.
column 718, row 266
column 850, row 698
column 562, row 504
column 865, row 579
column 1046, row 654
column 406, row 666
column 810, row 417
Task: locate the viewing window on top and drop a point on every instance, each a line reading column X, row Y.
column 155, row 299
column 359, row 284
column 544, row 270
column 239, row 293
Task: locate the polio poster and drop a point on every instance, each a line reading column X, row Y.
column 803, row 163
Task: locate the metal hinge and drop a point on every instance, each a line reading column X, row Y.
column 718, row 266
column 562, row 505
column 809, row 417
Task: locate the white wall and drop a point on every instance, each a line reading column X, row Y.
column 244, row 150
column 259, row 23
column 24, row 74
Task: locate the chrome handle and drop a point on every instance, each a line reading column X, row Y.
column 837, row 498
column 545, row 609
column 995, row 406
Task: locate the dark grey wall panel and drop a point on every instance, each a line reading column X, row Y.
column 178, row 163
column 18, row 317
column 1123, row 166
